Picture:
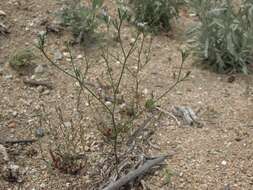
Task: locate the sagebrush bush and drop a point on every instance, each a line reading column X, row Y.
column 223, row 38
column 21, row 58
column 155, row 14
column 81, row 19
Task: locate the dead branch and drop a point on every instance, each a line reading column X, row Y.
column 38, row 83
column 26, row 141
column 135, row 173
column 169, row 114
column 188, row 115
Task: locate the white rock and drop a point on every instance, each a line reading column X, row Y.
column 66, row 54
column 108, row 103
column 2, row 13
column 145, row 91
column 8, row 77
column 77, row 84
column 132, row 41
column 4, row 153
column 224, row 163
column 46, row 92
column 39, row 69
column 14, row 113
column 33, row 77
column 192, row 14
column 80, row 56
column 43, row 185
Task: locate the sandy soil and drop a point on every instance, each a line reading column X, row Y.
column 219, row 155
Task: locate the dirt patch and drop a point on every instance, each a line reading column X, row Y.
column 217, row 156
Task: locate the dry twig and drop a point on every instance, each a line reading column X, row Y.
column 38, row 83
column 11, row 142
column 136, row 173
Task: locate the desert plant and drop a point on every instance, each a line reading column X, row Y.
column 68, row 155
column 21, row 58
column 156, row 15
column 223, row 37
column 118, row 98
column 168, row 174
column 82, row 19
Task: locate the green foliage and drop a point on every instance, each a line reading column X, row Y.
column 21, row 58
column 155, row 14
column 168, row 174
column 224, row 36
column 150, row 104
column 81, row 19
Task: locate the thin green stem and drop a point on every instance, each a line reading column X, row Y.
column 81, row 83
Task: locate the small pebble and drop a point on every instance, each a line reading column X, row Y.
column 67, row 124
column 39, row 69
column 40, row 132
column 108, row 103
column 12, row 124
column 2, row 13
column 46, row 92
column 132, row 41
column 8, row 77
column 224, row 163
column 79, row 56
column 57, row 55
column 66, row 54
column 33, row 77
column 43, row 185
column 145, row 91
column 3, row 153
column 40, row 89
column 14, row 113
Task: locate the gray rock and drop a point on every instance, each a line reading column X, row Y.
column 40, row 89
column 57, row 55
column 40, row 132
column 67, row 124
